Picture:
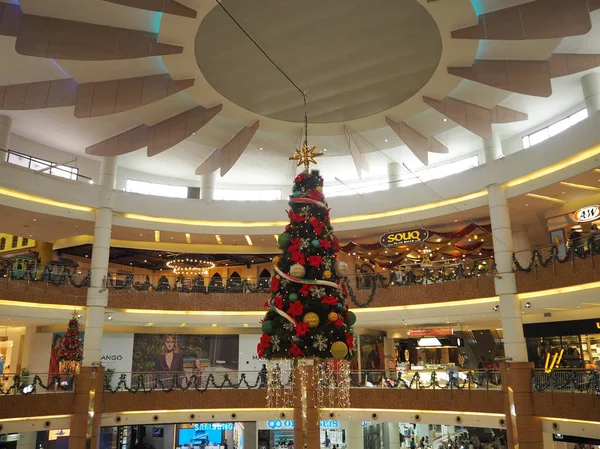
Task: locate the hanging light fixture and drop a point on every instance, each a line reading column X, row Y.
column 191, row 264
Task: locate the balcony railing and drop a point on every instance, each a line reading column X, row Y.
column 567, row 380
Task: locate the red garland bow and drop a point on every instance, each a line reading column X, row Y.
column 315, row 261
column 295, row 309
column 301, row 329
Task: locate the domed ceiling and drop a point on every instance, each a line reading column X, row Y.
column 186, row 88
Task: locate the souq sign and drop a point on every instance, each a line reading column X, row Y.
column 404, row 237
column 289, row 424
column 586, row 214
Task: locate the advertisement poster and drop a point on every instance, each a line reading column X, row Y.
column 179, row 353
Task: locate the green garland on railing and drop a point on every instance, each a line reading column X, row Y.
column 346, row 285
column 180, row 382
column 21, row 384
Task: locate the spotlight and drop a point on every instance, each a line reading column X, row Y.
column 79, row 316
column 496, row 308
column 109, row 317
column 528, row 305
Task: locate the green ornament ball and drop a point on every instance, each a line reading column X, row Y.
column 267, row 327
column 351, row 318
column 293, row 297
column 315, row 243
column 284, row 240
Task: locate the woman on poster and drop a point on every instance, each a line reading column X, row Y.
column 53, row 367
column 169, row 360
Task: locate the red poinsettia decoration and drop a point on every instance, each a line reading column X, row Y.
column 295, row 351
column 263, row 345
column 301, row 329
column 274, row 284
column 295, row 309
column 349, row 340
column 296, row 218
column 329, row 300
column 318, row 225
column 325, row 243
column 298, row 257
column 304, row 290
column 316, row 195
column 278, row 301
column 336, row 244
column 315, row 261
column 301, row 177
column 339, row 322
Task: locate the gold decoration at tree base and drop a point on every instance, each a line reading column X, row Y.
column 69, row 367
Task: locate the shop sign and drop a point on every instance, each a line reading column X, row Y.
column 586, row 214
column 443, row 332
column 214, row 426
column 289, row 424
column 404, row 237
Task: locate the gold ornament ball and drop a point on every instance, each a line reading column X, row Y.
column 341, row 268
column 319, row 189
column 312, row 319
column 332, row 316
column 297, row 270
column 339, row 350
column 276, row 260
column 326, row 274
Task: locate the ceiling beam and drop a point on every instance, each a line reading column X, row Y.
column 10, row 19
column 476, row 119
column 563, row 64
column 420, row 145
column 159, row 137
column 166, row 6
column 48, row 37
column 225, row 158
column 539, row 19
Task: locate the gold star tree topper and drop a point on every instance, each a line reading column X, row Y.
column 305, row 156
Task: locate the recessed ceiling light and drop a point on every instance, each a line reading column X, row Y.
column 30, row 235
column 35, row 219
column 324, row 149
column 193, row 134
column 526, row 204
column 445, row 119
column 141, row 235
column 563, row 193
column 86, row 255
column 145, row 261
column 385, row 140
column 261, row 148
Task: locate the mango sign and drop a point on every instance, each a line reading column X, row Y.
column 586, row 214
column 404, row 237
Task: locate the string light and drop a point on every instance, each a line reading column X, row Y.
column 191, row 264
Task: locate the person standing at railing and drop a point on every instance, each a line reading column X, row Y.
column 575, row 242
column 198, row 372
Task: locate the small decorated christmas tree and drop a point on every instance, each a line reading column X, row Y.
column 307, row 315
column 71, row 353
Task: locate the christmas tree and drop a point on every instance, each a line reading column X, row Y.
column 307, row 315
column 71, row 353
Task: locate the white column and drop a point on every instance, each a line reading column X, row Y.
column 492, row 148
column 207, row 191
column 26, row 348
column 97, row 296
column 388, row 351
column 354, row 435
column 590, row 84
column 391, row 435
column 394, row 175
column 504, row 282
column 5, row 123
column 521, row 244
